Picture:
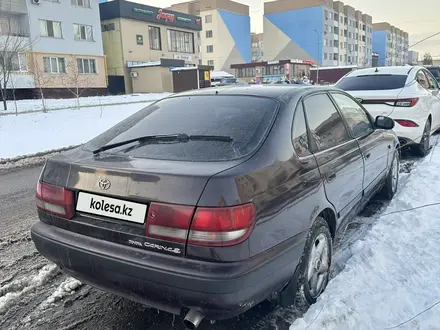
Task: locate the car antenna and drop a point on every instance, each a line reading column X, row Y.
column 216, row 92
column 377, row 70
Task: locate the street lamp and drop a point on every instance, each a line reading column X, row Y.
column 317, row 67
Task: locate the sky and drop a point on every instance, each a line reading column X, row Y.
column 419, row 18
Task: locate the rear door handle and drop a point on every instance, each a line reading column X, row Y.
column 331, row 177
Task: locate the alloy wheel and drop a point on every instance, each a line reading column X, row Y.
column 318, row 265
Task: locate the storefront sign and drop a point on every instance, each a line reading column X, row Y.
column 207, row 76
column 296, row 61
column 187, row 58
column 151, row 14
column 167, row 17
column 183, row 19
column 143, row 11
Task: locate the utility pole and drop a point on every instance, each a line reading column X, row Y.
column 319, row 55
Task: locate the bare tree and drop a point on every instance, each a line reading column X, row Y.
column 42, row 80
column 76, row 81
column 13, row 46
column 427, row 59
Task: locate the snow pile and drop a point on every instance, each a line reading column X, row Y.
column 51, row 104
column 16, row 289
column 65, row 289
column 392, row 275
column 37, row 132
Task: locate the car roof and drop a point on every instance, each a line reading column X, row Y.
column 271, row 91
column 393, row 70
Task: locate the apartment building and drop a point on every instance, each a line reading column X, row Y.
column 63, row 46
column 413, row 57
column 257, row 47
column 226, row 33
column 137, row 35
column 391, row 43
column 324, row 31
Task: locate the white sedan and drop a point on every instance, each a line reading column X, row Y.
column 408, row 94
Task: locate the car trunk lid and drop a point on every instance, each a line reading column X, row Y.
column 117, row 197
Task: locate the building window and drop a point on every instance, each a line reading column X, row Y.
column 180, row 42
column 108, row 27
column 211, row 62
column 210, row 49
column 325, row 56
column 54, row 65
column 208, row 33
column 81, row 3
column 13, row 62
column 86, row 66
column 83, row 32
column 335, row 43
column 154, row 36
column 335, row 56
column 340, row 58
column 325, row 42
column 208, row 19
column 50, row 29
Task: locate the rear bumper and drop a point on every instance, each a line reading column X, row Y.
column 220, row 290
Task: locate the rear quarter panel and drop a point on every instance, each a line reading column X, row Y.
column 287, row 191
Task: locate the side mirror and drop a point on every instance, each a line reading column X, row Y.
column 383, row 122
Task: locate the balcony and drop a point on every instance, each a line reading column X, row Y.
column 13, row 6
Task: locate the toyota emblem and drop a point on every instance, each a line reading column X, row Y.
column 104, row 184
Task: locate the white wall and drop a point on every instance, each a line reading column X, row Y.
column 68, row 14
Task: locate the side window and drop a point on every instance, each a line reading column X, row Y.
column 422, row 80
column 325, row 123
column 299, row 134
column 431, row 80
column 355, row 116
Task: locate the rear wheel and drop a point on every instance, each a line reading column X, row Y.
column 392, row 181
column 422, row 149
column 314, row 268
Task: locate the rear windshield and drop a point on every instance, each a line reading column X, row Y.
column 435, row 72
column 372, row 82
column 245, row 119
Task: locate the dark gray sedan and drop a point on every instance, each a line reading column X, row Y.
column 208, row 202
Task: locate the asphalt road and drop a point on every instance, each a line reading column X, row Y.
column 34, row 294
column 27, row 280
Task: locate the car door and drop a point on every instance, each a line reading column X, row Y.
column 337, row 154
column 433, row 87
column 374, row 148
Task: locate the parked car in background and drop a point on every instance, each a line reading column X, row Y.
column 236, row 200
column 409, row 95
column 435, row 70
column 231, row 81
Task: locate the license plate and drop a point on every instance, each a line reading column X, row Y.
column 111, row 207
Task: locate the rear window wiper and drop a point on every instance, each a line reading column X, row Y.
column 166, row 137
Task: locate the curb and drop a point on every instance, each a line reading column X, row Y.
column 75, row 108
column 31, row 159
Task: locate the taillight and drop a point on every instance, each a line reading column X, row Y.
column 210, row 226
column 55, row 200
column 169, row 222
column 407, row 103
column 406, row 123
column 222, row 226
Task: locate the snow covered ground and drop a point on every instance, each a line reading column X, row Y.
column 36, row 105
column 36, row 132
column 391, row 274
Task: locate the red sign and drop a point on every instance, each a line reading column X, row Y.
column 167, row 17
column 308, row 62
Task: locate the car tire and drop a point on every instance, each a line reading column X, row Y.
column 313, row 271
column 422, row 149
column 392, row 180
